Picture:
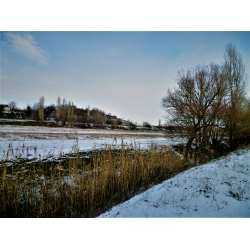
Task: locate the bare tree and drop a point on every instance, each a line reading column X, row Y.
column 194, row 105
column 88, row 112
column 236, row 82
column 70, row 112
column 35, row 106
column 73, row 117
column 28, row 111
column 41, row 109
column 35, row 110
column 98, row 116
column 12, row 105
column 63, row 112
column 69, row 117
column 209, row 102
column 58, row 108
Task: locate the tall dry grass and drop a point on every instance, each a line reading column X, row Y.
column 80, row 186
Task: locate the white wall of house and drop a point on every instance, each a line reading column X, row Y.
column 6, row 109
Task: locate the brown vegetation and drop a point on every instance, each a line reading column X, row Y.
column 82, row 186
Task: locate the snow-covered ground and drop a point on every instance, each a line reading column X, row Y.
column 51, row 130
column 46, row 142
column 216, row 189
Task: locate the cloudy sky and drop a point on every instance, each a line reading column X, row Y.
column 123, row 73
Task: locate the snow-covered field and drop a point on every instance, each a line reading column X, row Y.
column 217, row 189
column 51, row 142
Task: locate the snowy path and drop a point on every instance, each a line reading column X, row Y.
column 216, row 189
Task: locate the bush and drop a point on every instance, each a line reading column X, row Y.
column 102, row 126
column 147, row 125
column 132, row 126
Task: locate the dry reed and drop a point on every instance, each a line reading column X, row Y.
column 80, row 186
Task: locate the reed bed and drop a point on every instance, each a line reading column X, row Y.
column 82, row 186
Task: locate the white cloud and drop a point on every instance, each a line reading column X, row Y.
column 26, row 45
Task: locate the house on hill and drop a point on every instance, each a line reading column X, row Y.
column 4, row 110
column 6, row 107
column 7, row 113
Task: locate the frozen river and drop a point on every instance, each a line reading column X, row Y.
column 47, row 142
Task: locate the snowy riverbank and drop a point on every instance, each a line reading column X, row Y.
column 217, row 189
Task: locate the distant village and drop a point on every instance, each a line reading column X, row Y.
column 67, row 114
column 6, row 112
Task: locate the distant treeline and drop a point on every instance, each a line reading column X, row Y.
column 66, row 113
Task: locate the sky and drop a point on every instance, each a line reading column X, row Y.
column 122, row 73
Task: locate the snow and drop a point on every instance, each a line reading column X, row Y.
column 49, row 143
column 217, row 189
column 51, row 130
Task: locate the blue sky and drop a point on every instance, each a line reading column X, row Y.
column 123, row 73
